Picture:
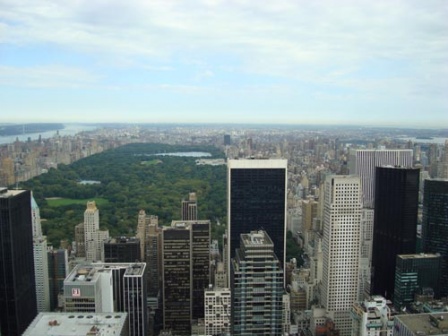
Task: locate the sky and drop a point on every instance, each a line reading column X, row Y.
column 381, row 63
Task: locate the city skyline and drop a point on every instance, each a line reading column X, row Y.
column 370, row 63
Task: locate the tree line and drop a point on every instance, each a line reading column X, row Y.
column 129, row 185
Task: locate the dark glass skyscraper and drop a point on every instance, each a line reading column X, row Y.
column 18, row 305
column 414, row 272
column 395, row 223
column 435, row 225
column 186, row 273
column 256, row 196
column 122, row 249
column 57, row 272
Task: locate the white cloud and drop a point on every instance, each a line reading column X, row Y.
column 46, row 77
column 320, row 42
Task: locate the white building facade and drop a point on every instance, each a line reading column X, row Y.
column 217, row 311
column 341, row 248
column 40, row 261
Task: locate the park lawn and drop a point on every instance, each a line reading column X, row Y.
column 57, row 202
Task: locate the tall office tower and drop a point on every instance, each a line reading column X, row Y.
column 80, row 243
column 217, row 311
column 141, row 232
column 395, row 223
column 256, row 200
column 372, row 317
column 362, row 162
column 109, row 287
column 190, row 207
column 177, row 305
column 341, row 247
column 367, row 216
column 414, row 272
column 18, row 305
column 121, row 249
column 227, row 140
column 186, row 273
column 435, row 225
column 442, row 170
column 309, row 213
column 93, row 237
column 40, row 260
column 135, row 296
column 200, row 238
column 57, row 272
column 153, row 256
column 256, row 286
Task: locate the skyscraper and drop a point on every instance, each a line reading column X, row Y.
column 415, row 271
column 186, row 273
column 190, row 207
column 57, row 272
column 122, row 249
column 93, row 237
column 40, row 260
column 362, row 162
column 256, row 200
column 341, row 248
column 395, row 223
column 153, row 255
column 109, row 287
column 435, row 225
column 256, row 287
column 18, row 305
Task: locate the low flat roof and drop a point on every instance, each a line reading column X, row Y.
column 75, row 324
column 435, row 324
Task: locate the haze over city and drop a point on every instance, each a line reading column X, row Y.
column 366, row 63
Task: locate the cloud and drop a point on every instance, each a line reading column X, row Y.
column 365, row 49
column 46, row 77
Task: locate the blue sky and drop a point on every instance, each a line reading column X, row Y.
column 283, row 61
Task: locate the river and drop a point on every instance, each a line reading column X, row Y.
column 69, row 129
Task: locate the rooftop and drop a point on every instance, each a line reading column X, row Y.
column 425, row 324
column 6, row 193
column 90, row 272
column 77, row 324
column 418, row 256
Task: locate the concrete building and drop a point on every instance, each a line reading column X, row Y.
column 257, row 191
column 108, row 288
column 257, row 287
column 365, row 274
column 414, row 272
column 341, row 248
column 85, row 324
column 435, row 225
column 220, row 276
column 80, row 244
column 186, row 273
column 153, row 255
column 435, row 324
column 217, row 311
column 93, row 236
column 362, row 162
column 40, row 260
column 395, row 223
column 18, row 305
column 189, row 210
column 372, row 318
